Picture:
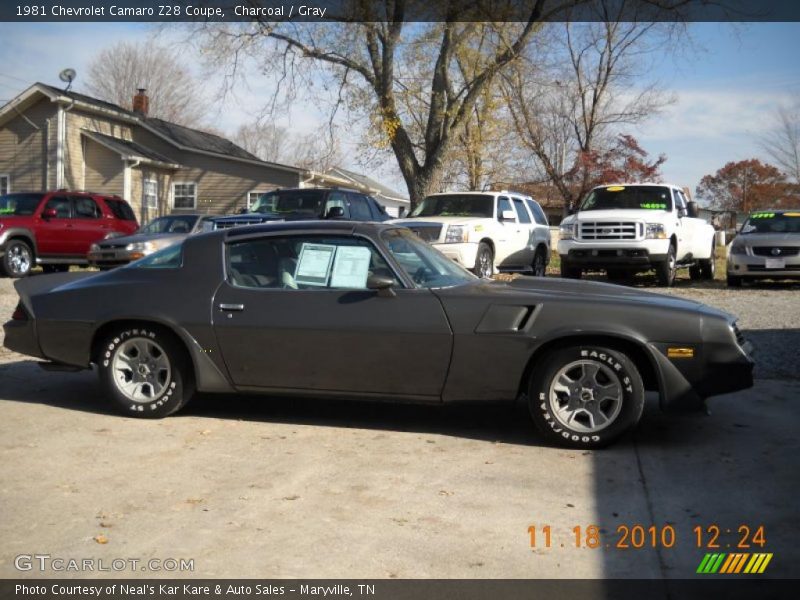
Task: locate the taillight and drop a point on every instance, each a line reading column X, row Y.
column 20, row 314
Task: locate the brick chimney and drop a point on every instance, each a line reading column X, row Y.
column 141, row 103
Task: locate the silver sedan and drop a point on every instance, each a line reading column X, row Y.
column 767, row 247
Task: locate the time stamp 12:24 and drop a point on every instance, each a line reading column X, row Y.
column 637, row 536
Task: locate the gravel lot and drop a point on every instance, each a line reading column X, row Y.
column 265, row 487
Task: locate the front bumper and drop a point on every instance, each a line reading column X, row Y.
column 462, row 253
column 763, row 267
column 107, row 258
column 644, row 253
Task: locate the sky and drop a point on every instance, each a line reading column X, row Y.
column 727, row 85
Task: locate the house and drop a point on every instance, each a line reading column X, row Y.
column 54, row 139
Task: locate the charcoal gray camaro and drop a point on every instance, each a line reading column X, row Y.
column 360, row 310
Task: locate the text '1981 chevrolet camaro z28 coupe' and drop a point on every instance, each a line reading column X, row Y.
column 360, row 310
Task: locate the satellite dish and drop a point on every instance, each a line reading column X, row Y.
column 67, row 75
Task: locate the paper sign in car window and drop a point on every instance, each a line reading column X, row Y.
column 351, row 267
column 615, row 188
column 314, row 264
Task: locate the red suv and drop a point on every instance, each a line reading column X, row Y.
column 55, row 229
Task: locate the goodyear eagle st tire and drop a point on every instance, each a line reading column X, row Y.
column 585, row 396
column 145, row 372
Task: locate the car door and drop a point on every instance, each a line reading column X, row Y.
column 541, row 227
column 88, row 224
column 54, row 234
column 294, row 314
column 512, row 243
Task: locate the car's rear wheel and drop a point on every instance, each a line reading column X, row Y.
column 18, row 259
column 539, row 265
column 145, row 372
column 585, row 396
column 484, row 261
column 667, row 269
column 708, row 266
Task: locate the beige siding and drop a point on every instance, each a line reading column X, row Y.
column 222, row 184
column 163, row 180
column 74, row 148
column 104, row 169
column 24, row 148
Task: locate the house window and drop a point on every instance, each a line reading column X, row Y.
column 150, row 194
column 252, row 197
column 5, row 184
column 184, row 195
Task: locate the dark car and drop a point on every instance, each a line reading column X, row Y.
column 359, row 310
column 158, row 233
column 56, row 229
column 307, row 204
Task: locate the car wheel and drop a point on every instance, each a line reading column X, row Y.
column 708, row 266
column 666, row 270
column 145, row 372
column 18, row 259
column 734, row 281
column 539, row 264
column 484, row 261
column 568, row 272
column 585, row 396
column 55, row 268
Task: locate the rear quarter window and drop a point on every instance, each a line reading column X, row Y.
column 120, row 209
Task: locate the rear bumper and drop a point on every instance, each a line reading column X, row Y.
column 20, row 337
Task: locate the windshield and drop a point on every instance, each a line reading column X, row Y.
column 291, row 201
column 173, row 224
column 649, row 197
column 456, row 205
column 426, row 266
column 770, row 222
column 19, row 204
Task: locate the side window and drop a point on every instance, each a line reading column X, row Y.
column 378, row 212
column 537, row 212
column 503, row 204
column 359, row 211
column 335, row 199
column 86, row 208
column 522, row 212
column 120, row 209
column 61, row 206
column 305, row 263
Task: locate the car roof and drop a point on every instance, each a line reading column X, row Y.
column 486, row 193
column 639, row 184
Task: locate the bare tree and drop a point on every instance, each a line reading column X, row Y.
column 575, row 106
column 367, row 64
column 117, row 72
column 782, row 143
column 273, row 143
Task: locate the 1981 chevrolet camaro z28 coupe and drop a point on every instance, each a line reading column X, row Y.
column 360, row 310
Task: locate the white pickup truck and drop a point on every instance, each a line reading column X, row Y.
column 627, row 228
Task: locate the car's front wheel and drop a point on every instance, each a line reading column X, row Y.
column 585, row 396
column 17, row 259
column 484, row 261
column 145, row 372
column 667, row 269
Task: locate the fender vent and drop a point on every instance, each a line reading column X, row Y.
column 501, row 318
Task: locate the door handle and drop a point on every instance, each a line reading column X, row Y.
column 231, row 307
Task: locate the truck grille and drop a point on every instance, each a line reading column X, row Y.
column 615, row 230
column 776, row 251
column 427, row 231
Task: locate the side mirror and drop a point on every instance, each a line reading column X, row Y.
column 335, row 212
column 49, row 213
column 382, row 284
column 507, row 215
column 693, row 209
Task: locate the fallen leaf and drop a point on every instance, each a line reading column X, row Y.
column 205, row 432
column 291, row 497
column 445, row 493
column 101, row 539
column 106, row 525
column 194, row 500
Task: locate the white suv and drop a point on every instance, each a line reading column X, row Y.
column 627, row 228
column 485, row 231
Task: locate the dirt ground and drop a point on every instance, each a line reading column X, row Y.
column 274, row 487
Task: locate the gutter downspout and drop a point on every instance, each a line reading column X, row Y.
column 61, row 142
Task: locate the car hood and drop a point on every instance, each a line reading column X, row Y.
column 588, row 292
column 443, row 220
column 137, row 238
column 620, row 214
column 768, row 239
